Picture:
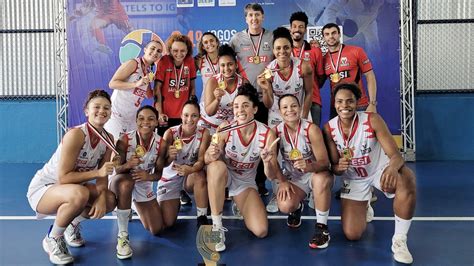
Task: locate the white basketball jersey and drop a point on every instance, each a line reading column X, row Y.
column 301, row 142
column 281, row 86
column 151, row 155
column 207, row 69
column 190, row 152
column 243, row 158
column 224, row 111
column 367, row 153
column 125, row 103
column 88, row 159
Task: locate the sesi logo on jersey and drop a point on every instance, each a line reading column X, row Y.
column 365, row 160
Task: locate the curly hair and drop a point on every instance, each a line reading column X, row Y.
column 248, row 90
column 350, row 86
column 178, row 37
column 282, row 32
column 94, row 94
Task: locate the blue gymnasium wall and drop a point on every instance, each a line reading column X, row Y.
column 444, row 128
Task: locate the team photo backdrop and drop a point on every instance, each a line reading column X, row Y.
column 102, row 34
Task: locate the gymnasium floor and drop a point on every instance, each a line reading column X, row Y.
column 442, row 232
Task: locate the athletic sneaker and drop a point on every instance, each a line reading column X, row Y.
column 73, row 237
column 294, row 218
column 272, row 206
column 220, row 246
column 202, row 220
column 184, row 198
column 124, row 250
column 236, row 211
column 321, row 237
column 370, row 213
column 400, row 249
column 57, row 250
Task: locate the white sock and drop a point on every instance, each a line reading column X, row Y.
column 401, row 226
column 322, row 217
column 201, row 211
column 56, row 231
column 122, row 220
column 78, row 219
column 217, row 220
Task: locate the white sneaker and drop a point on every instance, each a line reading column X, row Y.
column 220, row 246
column 400, row 249
column 311, row 200
column 236, row 211
column 57, row 250
column 370, row 213
column 124, row 250
column 272, row 206
column 73, row 237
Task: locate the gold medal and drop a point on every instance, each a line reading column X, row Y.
column 117, row 160
column 178, row 144
column 295, row 154
column 176, row 94
column 335, row 77
column 268, row 73
column 151, row 76
column 256, row 59
column 140, row 151
column 215, row 138
column 346, row 153
column 221, row 85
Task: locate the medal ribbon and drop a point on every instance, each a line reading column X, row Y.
column 336, row 67
column 234, row 127
column 301, row 51
column 293, row 144
column 208, row 59
column 107, row 140
column 178, row 78
column 347, row 139
column 256, row 49
column 142, row 142
column 180, row 134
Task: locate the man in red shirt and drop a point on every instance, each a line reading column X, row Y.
column 347, row 63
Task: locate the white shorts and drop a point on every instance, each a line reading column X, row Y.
column 34, row 196
column 359, row 189
column 170, row 188
column 142, row 191
column 304, row 182
column 118, row 126
column 237, row 186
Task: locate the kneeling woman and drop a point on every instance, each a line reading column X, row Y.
column 143, row 160
column 64, row 186
column 232, row 160
column 186, row 144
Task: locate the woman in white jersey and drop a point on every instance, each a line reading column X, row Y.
column 285, row 75
column 64, row 186
column 142, row 156
column 220, row 91
column 207, row 60
column 364, row 153
column 186, row 146
column 131, row 85
column 305, row 169
column 232, row 160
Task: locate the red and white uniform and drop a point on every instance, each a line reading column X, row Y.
column 281, row 86
column 168, row 74
column 303, row 144
column 242, row 159
column 208, row 70
column 314, row 57
column 112, row 11
column 224, row 111
column 88, row 159
column 171, row 183
column 143, row 190
column 353, row 62
column 368, row 158
column 125, row 103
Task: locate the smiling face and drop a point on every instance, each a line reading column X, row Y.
column 190, row 117
column 98, row 111
column 332, row 36
column 298, row 30
column 290, row 109
column 345, row 103
column 282, row 49
column 254, row 20
column 209, row 43
column 178, row 52
column 146, row 121
column 153, row 52
column 244, row 109
column 227, row 66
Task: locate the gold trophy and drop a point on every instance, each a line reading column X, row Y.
column 295, row 154
column 335, row 77
column 206, row 241
column 178, row 144
column 140, row 151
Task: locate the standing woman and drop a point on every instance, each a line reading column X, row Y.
column 186, row 144
column 64, row 187
column 232, row 160
column 131, row 85
column 221, row 90
column 207, row 60
column 143, row 159
column 176, row 74
column 305, row 169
